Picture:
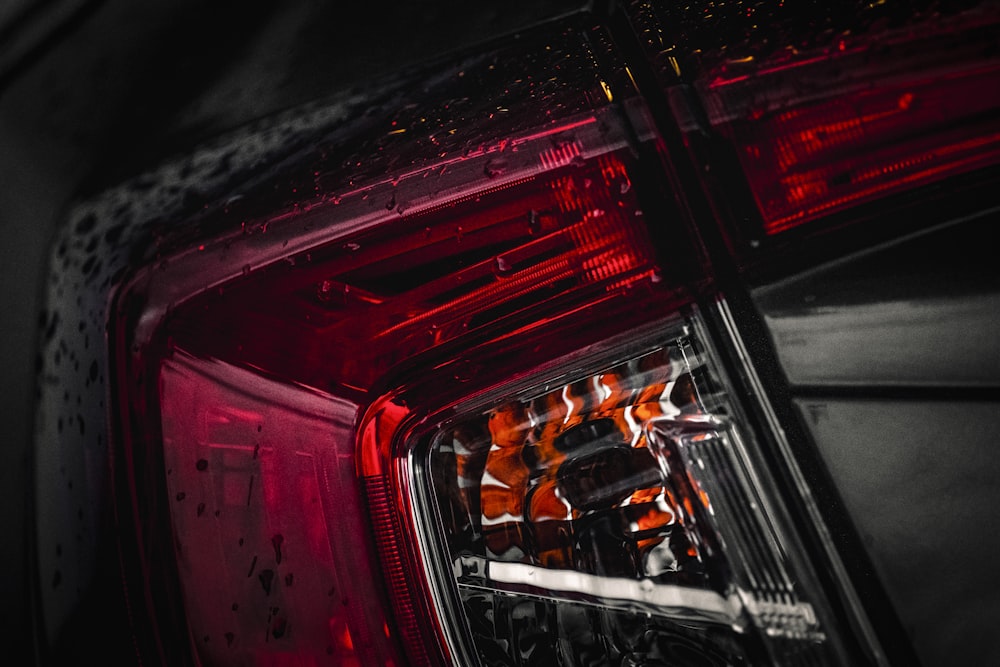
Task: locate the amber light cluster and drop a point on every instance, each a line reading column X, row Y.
column 557, row 498
column 566, row 480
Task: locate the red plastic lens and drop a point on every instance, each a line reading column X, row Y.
column 260, row 382
column 823, row 134
column 345, row 314
column 271, row 541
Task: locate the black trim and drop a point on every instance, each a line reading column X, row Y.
column 885, row 622
column 981, row 393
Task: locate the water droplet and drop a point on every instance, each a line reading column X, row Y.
column 266, row 578
column 202, row 464
column 229, row 639
column 246, row 269
column 325, row 290
column 465, row 370
column 494, row 168
column 201, row 508
column 276, row 542
column 278, row 627
column 353, row 247
column 534, row 222
column 181, row 495
column 501, row 266
column 288, row 579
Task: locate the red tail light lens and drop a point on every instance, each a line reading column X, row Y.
column 259, row 382
column 864, row 120
column 272, row 549
column 346, row 313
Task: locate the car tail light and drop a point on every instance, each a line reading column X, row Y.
column 820, row 132
column 475, row 407
column 608, row 516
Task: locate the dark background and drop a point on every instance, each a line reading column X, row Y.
column 93, row 91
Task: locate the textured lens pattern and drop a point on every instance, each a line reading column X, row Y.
column 564, row 533
column 613, row 519
column 565, row 480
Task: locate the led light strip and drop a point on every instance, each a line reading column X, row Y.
column 645, row 596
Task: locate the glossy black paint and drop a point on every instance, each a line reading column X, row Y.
column 893, row 368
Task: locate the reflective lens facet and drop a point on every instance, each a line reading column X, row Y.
column 612, row 519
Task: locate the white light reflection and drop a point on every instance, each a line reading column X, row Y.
column 506, row 517
column 616, row 592
column 569, row 404
column 490, row 480
column 633, row 425
column 666, row 405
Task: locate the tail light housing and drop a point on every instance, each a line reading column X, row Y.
column 465, row 393
column 305, row 423
column 861, row 120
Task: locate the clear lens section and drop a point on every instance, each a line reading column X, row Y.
column 612, row 520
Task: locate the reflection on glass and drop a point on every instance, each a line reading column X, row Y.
column 609, row 520
column 565, row 480
column 558, row 496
